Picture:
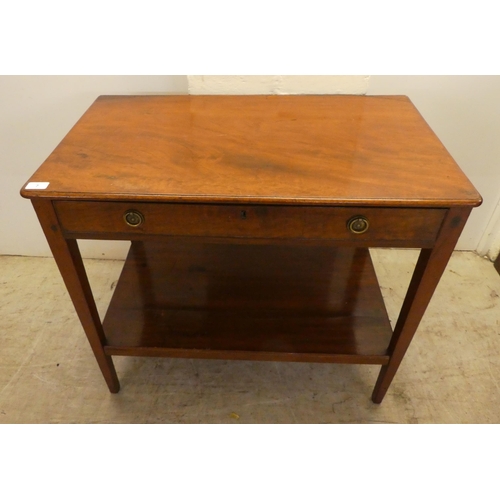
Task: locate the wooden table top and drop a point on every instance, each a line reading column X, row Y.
column 327, row 150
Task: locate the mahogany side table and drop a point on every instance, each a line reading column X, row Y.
column 250, row 220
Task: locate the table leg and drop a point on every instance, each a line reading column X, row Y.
column 69, row 261
column 430, row 266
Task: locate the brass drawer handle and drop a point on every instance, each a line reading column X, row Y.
column 358, row 224
column 133, row 218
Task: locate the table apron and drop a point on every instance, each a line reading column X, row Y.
column 388, row 226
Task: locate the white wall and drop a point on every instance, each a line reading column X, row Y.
column 36, row 112
column 490, row 242
column 276, row 84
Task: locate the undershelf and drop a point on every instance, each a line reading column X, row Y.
column 189, row 298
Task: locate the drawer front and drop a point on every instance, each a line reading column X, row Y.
column 123, row 220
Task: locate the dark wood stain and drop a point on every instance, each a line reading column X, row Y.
column 244, row 251
column 497, row 264
column 338, row 150
column 219, row 298
column 417, row 227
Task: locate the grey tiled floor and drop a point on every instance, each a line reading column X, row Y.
column 451, row 373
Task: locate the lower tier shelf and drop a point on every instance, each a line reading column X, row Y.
column 187, row 298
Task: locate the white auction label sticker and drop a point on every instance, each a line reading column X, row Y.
column 37, row 185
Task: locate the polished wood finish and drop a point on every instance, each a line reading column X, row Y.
column 289, row 302
column 302, row 150
column 69, row 261
column 388, row 226
column 241, row 247
column 428, row 271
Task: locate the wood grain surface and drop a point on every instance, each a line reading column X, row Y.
column 300, row 303
column 258, row 170
column 341, row 150
column 416, row 227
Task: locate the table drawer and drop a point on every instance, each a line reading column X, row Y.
column 123, row 220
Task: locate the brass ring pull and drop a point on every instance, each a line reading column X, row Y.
column 133, row 218
column 358, row 224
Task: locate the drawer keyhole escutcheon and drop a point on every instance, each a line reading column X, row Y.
column 358, row 224
column 133, row 218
